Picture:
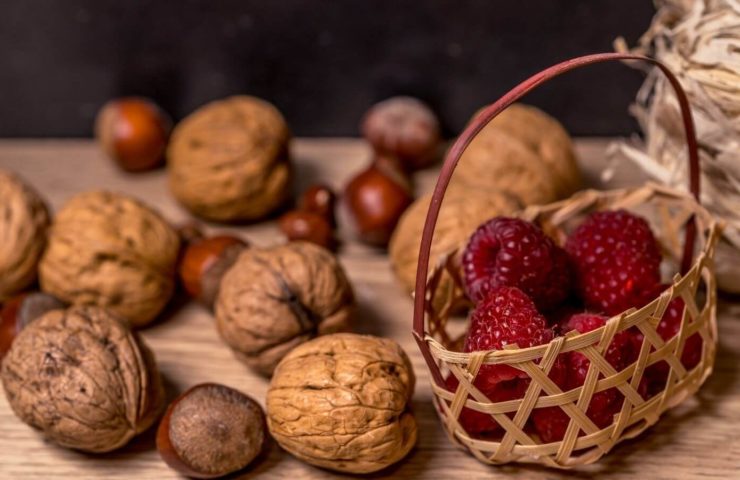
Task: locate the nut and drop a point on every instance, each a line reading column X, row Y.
column 83, row 379
column 21, row 310
column 204, row 262
column 133, row 131
column 403, row 127
column 211, row 430
column 308, row 226
column 24, row 220
column 321, row 200
column 228, row 160
column 375, row 199
column 276, row 298
column 113, row 251
column 342, row 402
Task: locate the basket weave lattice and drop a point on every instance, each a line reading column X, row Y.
column 672, row 214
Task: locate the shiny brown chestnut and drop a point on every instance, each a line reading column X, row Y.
column 204, row 261
column 307, row 226
column 21, row 310
column 211, row 430
column 319, row 199
column 134, row 132
column 374, row 200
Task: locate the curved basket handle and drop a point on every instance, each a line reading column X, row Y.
column 488, row 114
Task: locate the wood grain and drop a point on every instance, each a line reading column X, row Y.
column 700, row 439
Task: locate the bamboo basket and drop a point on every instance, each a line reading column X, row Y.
column 438, row 334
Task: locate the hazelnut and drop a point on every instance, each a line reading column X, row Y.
column 113, row 251
column 204, row 262
column 321, row 200
column 211, row 430
column 375, row 199
column 276, row 298
column 21, row 310
column 342, row 402
column 405, row 128
column 24, row 221
column 83, row 379
column 133, row 131
column 229, row 160
column 308, row 226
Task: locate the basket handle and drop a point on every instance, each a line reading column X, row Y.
column 488, row 114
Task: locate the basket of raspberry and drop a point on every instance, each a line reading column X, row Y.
column 575, row 339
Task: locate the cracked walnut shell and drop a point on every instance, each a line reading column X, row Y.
column 83, row 379
column 274, row 299
column 24, row 220
column 229, row 160
column 113, row 251
column 342, row 402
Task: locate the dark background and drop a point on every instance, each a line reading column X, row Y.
column 321, row 62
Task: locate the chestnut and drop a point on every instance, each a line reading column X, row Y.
column 21, row 310
column 404, row 127
column 204, row 261
column 319, row 199
column 134, row 132
column 374, row 200
column 211, row 430
column 308, row 226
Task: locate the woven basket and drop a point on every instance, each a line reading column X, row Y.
column 439, row 334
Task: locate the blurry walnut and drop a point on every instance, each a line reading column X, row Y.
column 229, row 161
column 111, row 250
column 342, row 402
column 83, row 379
column 276, row 298
column 462, row 211
column 24, row 220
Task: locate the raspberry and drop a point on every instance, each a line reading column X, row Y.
column 616, row 259
column 511, row 252
column 550, row 423
column 505, row 316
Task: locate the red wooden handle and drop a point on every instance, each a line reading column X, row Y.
column 488, row 114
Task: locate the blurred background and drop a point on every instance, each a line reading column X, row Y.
column 321, row 63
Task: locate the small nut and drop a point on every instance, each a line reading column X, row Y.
column 342, row 402
column 308, row 226
column 211, row 430
column 21, row 310
column 204, row 262
column 83, row 379
column 321, row 200
column 276, row 298
column 403, row 127
column 133, row 131
column 24, row 221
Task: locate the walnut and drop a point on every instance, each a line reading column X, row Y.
column 342, row 402
column 24, row 220
column 111, row 250
column 83, row 379
column 276, row 298
column 229, row 160
column 462, row 211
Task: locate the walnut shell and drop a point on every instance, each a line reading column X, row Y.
column 462, row 211
column 276, row 298
column 229, row 160
column 342, row 402
column 113, row 251
column 83, row 379
column 24, row 220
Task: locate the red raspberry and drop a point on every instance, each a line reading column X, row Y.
column 511, row 252
column 617, row 260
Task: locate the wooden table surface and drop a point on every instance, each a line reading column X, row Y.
column 699, row 439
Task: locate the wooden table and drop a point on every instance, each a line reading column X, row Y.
column 699, row 439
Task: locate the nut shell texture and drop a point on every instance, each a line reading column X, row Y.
column 24, row 220
column 111, row 250
column 341, row 402
column 274, row 299
column 83, row 379
column 229, row 160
